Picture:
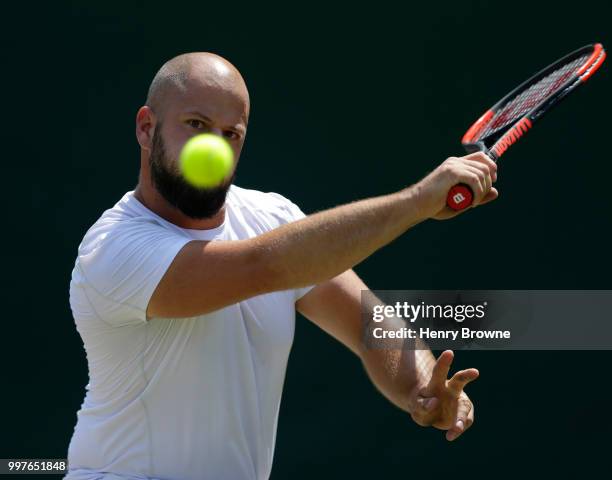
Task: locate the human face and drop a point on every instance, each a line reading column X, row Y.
column 198, row 108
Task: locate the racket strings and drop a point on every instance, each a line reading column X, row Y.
column 532, row 96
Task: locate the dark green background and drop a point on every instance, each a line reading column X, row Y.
column 348, row 101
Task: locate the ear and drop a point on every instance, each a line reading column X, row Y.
column 145, row 126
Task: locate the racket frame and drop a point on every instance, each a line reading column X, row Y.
column 501, row 140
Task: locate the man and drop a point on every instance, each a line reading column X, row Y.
column 186, row 298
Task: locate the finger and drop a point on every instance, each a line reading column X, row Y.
column 484, row 179
column 454, row 433
column 470, row 418
column 489, row 197
column 440, row 371
column 491, row 174
column 472, row 178
column 460, row 379
column 460, row 425
column 482, row 158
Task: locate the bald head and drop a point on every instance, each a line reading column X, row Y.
column 209, row 73
column 191, row 94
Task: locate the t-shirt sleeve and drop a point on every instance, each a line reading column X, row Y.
column 122, row 271
column 292, row 213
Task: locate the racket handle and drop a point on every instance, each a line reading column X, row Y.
column 459, row 197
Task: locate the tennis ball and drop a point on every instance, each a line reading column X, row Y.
column 206, row 160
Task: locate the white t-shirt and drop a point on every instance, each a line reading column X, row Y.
column 187, row 398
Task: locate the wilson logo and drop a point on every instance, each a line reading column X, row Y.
column 511, row 136
column 458, row 198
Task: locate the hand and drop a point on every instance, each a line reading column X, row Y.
column 443, row 403
column 476, row 170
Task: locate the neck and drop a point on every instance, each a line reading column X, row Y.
column 146, row 194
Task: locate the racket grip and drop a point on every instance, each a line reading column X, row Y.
column 459, row 197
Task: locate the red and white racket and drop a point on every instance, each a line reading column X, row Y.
column 510, row 118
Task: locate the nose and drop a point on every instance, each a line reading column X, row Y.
column 216, row 131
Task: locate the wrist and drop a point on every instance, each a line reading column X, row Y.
column 415, row 198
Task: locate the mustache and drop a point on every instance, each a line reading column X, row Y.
column 193, row 202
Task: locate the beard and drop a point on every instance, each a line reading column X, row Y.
column 196, row 203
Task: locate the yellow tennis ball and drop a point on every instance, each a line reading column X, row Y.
column 206, row 160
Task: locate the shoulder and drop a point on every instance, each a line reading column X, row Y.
column 124, row 236
column 267, row 204
column 120, row 262
column 119, row 224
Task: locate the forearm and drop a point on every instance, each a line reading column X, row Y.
column 328, row 243
column 399, row 370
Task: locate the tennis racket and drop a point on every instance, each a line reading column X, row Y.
column 510, row 118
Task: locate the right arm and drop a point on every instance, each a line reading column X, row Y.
column 206, row 276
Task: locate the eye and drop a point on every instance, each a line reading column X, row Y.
column 195, row 123
column 230, row 135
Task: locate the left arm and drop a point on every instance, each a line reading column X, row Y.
column 411, row 379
